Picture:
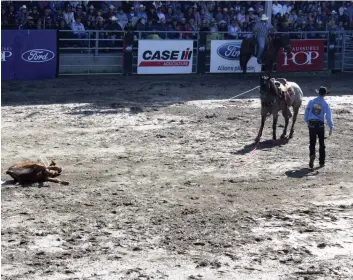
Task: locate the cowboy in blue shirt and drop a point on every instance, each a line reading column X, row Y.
column 261, row 30
column 315, row 113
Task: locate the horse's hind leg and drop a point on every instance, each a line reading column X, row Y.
column 296, row 110
column 286, row 122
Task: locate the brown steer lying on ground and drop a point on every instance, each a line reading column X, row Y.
column 35, row 172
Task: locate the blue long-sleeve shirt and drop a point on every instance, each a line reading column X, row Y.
column 316, row 109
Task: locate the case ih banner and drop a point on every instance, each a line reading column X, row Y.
column 306, row 55
column 165, row 57
column 28, row 54
column 225, row 57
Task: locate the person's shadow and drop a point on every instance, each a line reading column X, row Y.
column 266, row 144
column 302, row 172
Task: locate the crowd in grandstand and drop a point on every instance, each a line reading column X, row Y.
column 230, row 17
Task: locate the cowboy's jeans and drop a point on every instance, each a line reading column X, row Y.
column 261, row 46
column 317, row 128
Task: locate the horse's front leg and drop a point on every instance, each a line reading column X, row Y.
column 274, row 127
column 296, row 110
column 263, row 119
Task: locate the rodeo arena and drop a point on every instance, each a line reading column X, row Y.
column 177, row 140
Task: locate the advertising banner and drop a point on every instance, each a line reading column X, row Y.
column 225, row 56
column 33, row 54
column 7, row 55
column 165, row 57
column 306, row 55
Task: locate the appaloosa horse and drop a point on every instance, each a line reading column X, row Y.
column 269, row 56
column 278, row 95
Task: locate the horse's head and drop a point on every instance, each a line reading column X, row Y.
column 268, row 90
column 283, row 41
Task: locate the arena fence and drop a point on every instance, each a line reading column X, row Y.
column 165, row 52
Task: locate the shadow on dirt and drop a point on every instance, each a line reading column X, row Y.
column 15, row 184
column 146, row 91
column 266, row 144
column 302, row 172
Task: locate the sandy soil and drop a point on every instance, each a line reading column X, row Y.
column 163, row 186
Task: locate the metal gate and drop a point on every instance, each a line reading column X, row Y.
column 347, row 52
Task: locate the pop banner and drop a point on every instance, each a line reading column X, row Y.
column 28, row 54
column 306, row 55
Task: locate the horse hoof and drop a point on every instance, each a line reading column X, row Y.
column 290, row 136
column 283, row 136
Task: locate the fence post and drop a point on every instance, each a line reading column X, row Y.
column 127, row 60
column 97, row 44
column 331, row 51
column 201, row 53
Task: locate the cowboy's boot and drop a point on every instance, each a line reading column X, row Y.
column 311, row 162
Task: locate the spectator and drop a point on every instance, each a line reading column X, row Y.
column 122, row 18
column 276, row 8
column 110, row 13
column 160, row 14
column 142, row 13
column 141, row 26
column 197, row 17
column 179, row 15
column 192, row 27
column 223, row 27
column 117, row 31
column 11, row 16
column 233, row 29
column 91, row 11
column 79, row 30
column 241, row 16
column 34, row 13
column 152, row 15
column 69, row 15
column 132, row 16
column 189, row 13
column 213, row 26
column 28, row 24
column 162, row 26
column 48, row 23
column 219, row 14
column 22, row 15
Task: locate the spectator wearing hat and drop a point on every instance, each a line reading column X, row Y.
column 142, row 12
column 117, row 33
column 132, row 16
column 22, row 15
column 252, row 16
column 316, row 112
column 222, row 27
column 81, row 14
column 69, row 15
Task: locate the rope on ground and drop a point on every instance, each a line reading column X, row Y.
column 243, row 93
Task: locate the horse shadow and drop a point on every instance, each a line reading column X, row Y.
column 266, row 144
column 302, row 172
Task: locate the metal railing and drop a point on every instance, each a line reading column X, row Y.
column 100, row 46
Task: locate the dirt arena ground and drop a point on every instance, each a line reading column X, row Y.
column 163, row 184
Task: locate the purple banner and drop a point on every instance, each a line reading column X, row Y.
column 28, row 54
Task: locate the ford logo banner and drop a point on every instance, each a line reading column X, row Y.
column 230, row 51
column 38, row 55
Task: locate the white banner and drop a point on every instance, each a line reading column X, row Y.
column 225, row 57
column 165, row 57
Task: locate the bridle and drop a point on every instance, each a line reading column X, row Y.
column 268, row 89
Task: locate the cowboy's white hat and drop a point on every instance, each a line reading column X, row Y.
column 251, row 10
column 24, row 7
column 111, row 7
column 113, row 18
column 264, row 17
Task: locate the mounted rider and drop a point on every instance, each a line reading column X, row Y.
column 261, row 31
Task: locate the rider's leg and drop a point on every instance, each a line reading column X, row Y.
column 261, row 46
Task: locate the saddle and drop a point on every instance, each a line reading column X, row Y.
column 285, row 90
